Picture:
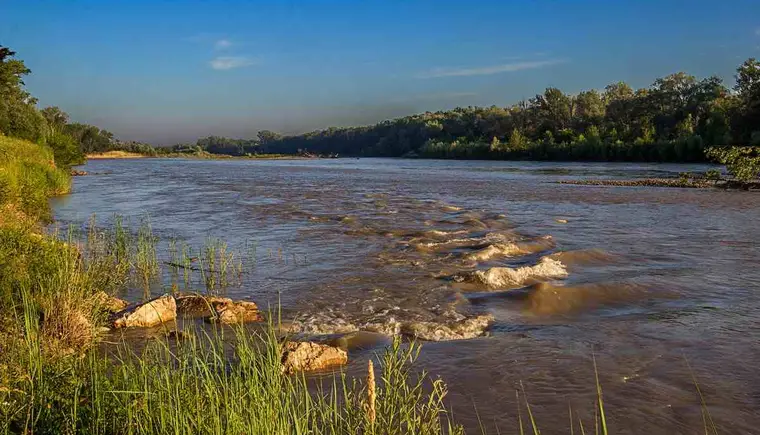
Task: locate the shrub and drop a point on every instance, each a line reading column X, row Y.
column 742, row 162
column 65, row 150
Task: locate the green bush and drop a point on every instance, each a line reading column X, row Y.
column 66, row 151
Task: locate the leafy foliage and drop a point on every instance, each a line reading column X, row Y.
column 742, row 162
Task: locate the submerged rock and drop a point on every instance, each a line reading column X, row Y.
column 308, row 356
column 468, row 328
column 154, row 312
column 109, row 303
column 500, row 277
column 219, row 309
column 200, row 305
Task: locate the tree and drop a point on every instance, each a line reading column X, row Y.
column 18, row 116
column 748, row 90
column 553, row 109
column 55, row 117
column 517, row 142
column 588, row 108
column 266, row 136
column 12, row 72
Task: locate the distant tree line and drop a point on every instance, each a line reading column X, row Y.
column 673, row 120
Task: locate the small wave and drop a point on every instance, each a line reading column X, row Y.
column 465, row 329
column 450, row 208
column 465, row 242
column 511, row 249
column 505, row 277
column 584, row 257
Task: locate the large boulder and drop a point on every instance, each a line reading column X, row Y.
column 307, row 356
column 154, row 312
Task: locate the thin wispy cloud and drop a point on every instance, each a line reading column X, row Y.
column 223, row 63
column 434, row 97
column 757, row 31
column 223, row 44
column 488, row 70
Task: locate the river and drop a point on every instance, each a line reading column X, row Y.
column 660, row 287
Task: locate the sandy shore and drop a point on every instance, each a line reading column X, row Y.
column 115, row 155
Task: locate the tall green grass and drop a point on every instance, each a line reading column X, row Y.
column 215, row 384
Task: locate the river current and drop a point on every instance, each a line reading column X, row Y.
column 514, row 282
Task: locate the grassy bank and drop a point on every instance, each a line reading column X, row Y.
column 28, row 178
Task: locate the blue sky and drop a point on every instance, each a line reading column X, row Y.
column 173, row 71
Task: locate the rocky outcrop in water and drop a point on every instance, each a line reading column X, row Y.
column 154, row 312
column 647, row 182
column 308, row 356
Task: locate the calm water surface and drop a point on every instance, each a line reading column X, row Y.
column 662, row 285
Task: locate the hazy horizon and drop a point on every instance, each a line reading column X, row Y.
column 195, row 69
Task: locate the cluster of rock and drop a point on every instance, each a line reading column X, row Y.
column 77, row 173
column 646, row 182
column 700, row 183
column 165, row 309
column 296, row 356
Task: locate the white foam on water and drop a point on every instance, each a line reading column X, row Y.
column 508, row 277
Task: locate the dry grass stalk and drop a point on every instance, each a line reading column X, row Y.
column 371, row 394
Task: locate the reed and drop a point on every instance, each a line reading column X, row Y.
column 146, row 262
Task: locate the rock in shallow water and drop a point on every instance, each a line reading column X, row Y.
column 154, row 312
column 238, row 312
column 308, row 356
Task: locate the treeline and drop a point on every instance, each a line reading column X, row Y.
column 672, row 120
column 19, row 117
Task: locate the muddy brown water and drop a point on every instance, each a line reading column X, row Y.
column 660, row 286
